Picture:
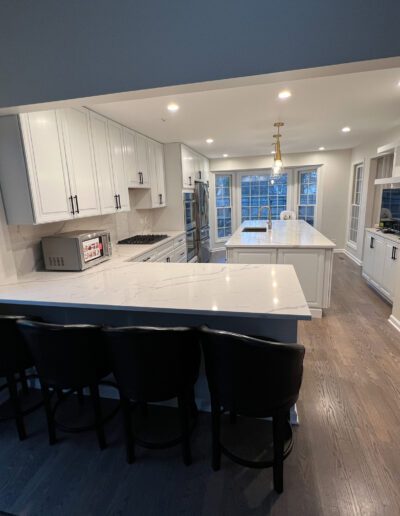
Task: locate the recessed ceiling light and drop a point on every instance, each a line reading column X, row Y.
column 346, row 129
column 321, row 148
column 284, row 94
column 173, row 107
column 225, row 155
column 209, row 140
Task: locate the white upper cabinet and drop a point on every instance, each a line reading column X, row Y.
column 116, row 144
column 102, row 158
column 195, row 167
column 46, row 168
column 156, row 196
column 136, row 159
column 80, row 162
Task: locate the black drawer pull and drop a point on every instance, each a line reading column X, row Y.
column 160, row 195
column 371, row 244
column 116, row 201
column 72, row 205
column 119, row 202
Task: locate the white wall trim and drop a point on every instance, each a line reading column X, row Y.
column 394, row 322
column 338, row 251
column 215, row 249
column 352, row 257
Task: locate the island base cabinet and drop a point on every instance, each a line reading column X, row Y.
column 310, row 269
column 262, row 256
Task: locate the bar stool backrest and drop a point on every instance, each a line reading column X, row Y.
column 251, row 376
column 66, row 355
column 152, row 363
column 14, row 353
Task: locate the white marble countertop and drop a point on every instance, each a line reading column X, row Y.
column 388, row 236
column 265, row 291
column 284, row 233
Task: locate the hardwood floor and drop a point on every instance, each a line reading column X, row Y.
column 346, row 457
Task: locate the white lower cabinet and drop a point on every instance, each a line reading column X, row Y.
column 172, row 252
column 313, row 268
column 380, row 263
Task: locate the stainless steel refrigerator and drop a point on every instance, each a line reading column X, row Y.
column 202, row 235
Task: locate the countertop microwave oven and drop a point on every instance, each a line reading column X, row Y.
column 76, row 250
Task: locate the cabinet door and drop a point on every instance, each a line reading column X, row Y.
column 81, row 169
column 115, row 136
column 101, row 153
column 130, row 162
column 368, row 258
column 187, row 168
column 198, row 167
column 160, row 171
column 309, row 265
column 389, row 269
column 379, row 249
column 142, row 159
column 47, row 168
column 206, row 169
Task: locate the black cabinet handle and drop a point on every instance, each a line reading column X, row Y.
column 72, row 204
column 160, row 195
column 394, row 253
column 119, row 202
column 140, row 178
column 190, row 180
column 168, row 259
column 76, row 202
column 146, row 259
column 199, row 174
column 371, row 244
column 116, row 201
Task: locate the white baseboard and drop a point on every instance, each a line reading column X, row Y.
column 352, row 257
column 394, row 322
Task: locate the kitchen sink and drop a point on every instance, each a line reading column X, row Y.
column 254, row 230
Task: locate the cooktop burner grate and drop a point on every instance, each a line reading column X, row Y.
column 143, row 239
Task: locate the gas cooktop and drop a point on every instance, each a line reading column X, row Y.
column 143, row 239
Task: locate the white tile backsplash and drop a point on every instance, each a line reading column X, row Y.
column 20, row 250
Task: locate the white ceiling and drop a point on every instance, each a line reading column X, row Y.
column 240, row 119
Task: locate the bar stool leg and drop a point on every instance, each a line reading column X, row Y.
column 215, row 434
column 184, row 417
column 12, row 387
column 51, row 426
column 278, row 435
column 24, row 382
column 128, row 429
column 94, row 392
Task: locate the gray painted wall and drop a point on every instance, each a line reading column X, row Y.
column 54, row 50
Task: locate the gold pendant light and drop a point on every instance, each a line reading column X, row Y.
column 278, row 155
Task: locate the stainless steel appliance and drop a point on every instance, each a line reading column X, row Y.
column 191, row 246
column 202, row 222
column 143, row 239
column 189, row 204
column 76, row 250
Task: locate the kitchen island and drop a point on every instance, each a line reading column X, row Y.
column 288, row 242
column 264, row 300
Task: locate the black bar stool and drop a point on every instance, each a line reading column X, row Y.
column 154, row 365
column 14, row 360
column 255, row 378
column 70, row 357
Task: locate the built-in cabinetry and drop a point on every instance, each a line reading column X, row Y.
column 195, row 167
column 313, row 267
column 61, row 164
column 380, row 262
column 170, row 252
column 155, row 196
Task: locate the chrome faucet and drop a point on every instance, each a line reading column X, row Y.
column 268, row 207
